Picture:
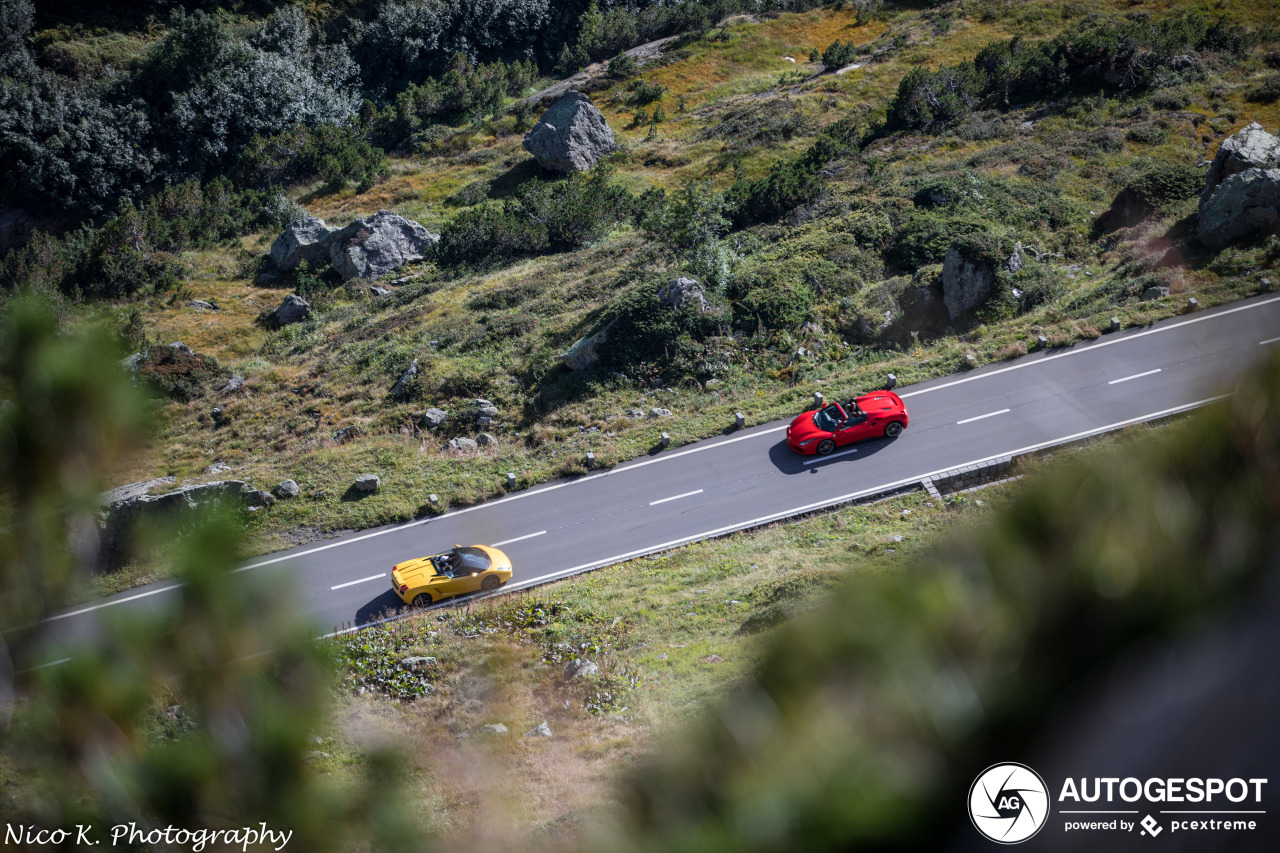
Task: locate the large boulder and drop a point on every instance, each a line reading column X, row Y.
column 585, row 353
column 121, row 508
column 293, row 309
column 571, row 136
column 306, row 239
column 1250, row 148
column 966, row 284
column 368, row 248
column 924, row 310
column 1245, row 204
column 681, row 292
column 405, row 383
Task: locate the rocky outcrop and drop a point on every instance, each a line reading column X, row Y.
column 367, row 483
column 1241, row 196
column 682, row 292
column 294, row 309
column 368, row 248
column 966, row 284
column 433, row 418
column 122, row 507
column 405, row 382
column 580, row 668
column 923, row 310
column 306, row 239
column 571, row 136
column 1249, row 148
column 482, row 411
column 1243, row 205
column 585, row 353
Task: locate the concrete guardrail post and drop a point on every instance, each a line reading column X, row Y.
column 890, row 382
column 1042, row 342
column 739, row 420
column 511, row 480
column 818, row 399
column 591, row 460
column 665, row 440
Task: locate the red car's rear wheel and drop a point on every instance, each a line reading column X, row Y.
column 893, row 430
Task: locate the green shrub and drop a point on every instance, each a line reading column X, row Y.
column 337, row 154
column 642, row 330
column 1147, row 133
column 925, row 238
column 1265, row 91
column 838, row 54
column 646, row 92
column 1161, row 185
column 780, row 305
column 622, row 66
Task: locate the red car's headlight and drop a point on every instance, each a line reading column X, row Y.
column 808, row 441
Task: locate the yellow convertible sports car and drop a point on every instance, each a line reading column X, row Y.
column 426, row 580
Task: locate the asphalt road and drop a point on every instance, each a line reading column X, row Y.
column 748, row 478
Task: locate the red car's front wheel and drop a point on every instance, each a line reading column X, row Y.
column 826, row 446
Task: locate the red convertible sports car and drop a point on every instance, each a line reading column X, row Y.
column 880, row 413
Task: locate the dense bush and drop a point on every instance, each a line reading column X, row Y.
column 795, row 181
column 838, row 54
column 541, row 217
column 926, row 236
column 780, row 305
column 134, row 251
column 337, row 154
column 644, row 330
column 1125, row 54
column 466, row 90
column 1159, row 185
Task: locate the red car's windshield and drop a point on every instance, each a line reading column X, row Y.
column 829, row 417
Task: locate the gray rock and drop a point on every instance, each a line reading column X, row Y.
column 293, row 309
column 432, row 418
column 401, row 389
column 313, row 755
column 585, row 352
column 965, row 284
column 233, row 384
column 413, row 664
column 1014, row 263
column 368, row 248
column 635, row 413
column 571, row 136
column 711, row 383
column 200, row 305
column 130, row 363
column 1249, row 148
column 656, row 412
column 482, row 408
column 379, row 291
column 306, row 239
column 181, row 347
column 681, row 292
column 464, row 444
column 1244, row 204
column 287, row 489
column 580, row 668
column 494, row 729
column 367, row 483
column 257, row 497
column 485, row 439
column 218, row 468
column 1154, row 293
column 346, row 434
column 540, row 730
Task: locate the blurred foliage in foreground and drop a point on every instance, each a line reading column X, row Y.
column 197, row 715
column 869, row 719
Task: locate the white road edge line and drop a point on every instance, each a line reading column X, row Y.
column 45, row 665
column 980, row 417
column 1093, row 347
column 1135, row 376
column 675, row 497
column 518, row 539
column 1268, row 341
column 110, row 603
column 362, row 580
column 818, row 459
column 663, row 458
column 778, row 516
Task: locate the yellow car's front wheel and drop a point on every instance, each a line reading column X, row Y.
column 490, row 583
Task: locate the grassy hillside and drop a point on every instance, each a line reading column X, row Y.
column 827, row 274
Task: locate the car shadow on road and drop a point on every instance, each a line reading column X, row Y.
column 788, row 461
column 379, row 608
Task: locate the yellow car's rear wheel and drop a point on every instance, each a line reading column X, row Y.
column 490, row 583
column 423, row 599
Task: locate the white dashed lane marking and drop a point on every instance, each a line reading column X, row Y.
column 1135, row 376
column 362, row 580
column 675, row 497
column 518, row 539
column 980, row 417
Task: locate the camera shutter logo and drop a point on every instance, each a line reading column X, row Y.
column 1008, row 803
